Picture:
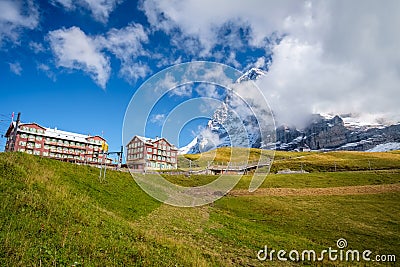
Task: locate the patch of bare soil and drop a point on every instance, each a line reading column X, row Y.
column 329, row 191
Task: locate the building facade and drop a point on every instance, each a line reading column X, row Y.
column 35, row 139
column 151, row 154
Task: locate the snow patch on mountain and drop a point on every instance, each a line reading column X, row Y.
column 251, row 75
column 187, row 149
column 385, row 147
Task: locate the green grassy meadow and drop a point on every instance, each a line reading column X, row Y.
column 308, row 161
column 59, row 214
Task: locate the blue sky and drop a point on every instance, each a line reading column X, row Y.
column 75, row 65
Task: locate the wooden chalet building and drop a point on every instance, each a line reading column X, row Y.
column 151, row 154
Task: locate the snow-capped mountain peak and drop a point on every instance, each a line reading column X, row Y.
column 225, row 128
column 187, row 149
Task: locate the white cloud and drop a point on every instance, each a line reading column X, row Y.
column 344, row 60
column 181, row 90
column 46, row 70
column 168, row 82
column 15, row 68
column 16, row 16
column 132, row 71
column 158, row 118
column 65, row 3
column 202, row 19
column 209, row 141
column 208, row 90
column 335, row 56
column 75, row 50
column 36, row 47
column 126, row 45
column 100, row 9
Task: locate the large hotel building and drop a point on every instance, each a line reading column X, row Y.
column 34, row 139
column 151, row 154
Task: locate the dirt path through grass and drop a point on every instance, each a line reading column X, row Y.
column 330, row 191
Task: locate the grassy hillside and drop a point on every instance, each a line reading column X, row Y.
column 59, row 214
column 309, row 161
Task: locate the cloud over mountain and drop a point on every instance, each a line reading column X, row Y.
column 330, row 56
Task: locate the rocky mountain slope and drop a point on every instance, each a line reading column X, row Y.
column 323, row 132
column 332, row 134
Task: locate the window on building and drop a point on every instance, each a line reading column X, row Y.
column 36, row 152
column 24, row 135
column 22, row 143
column 21, row 150
column 39, row 138
column 45, row 154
